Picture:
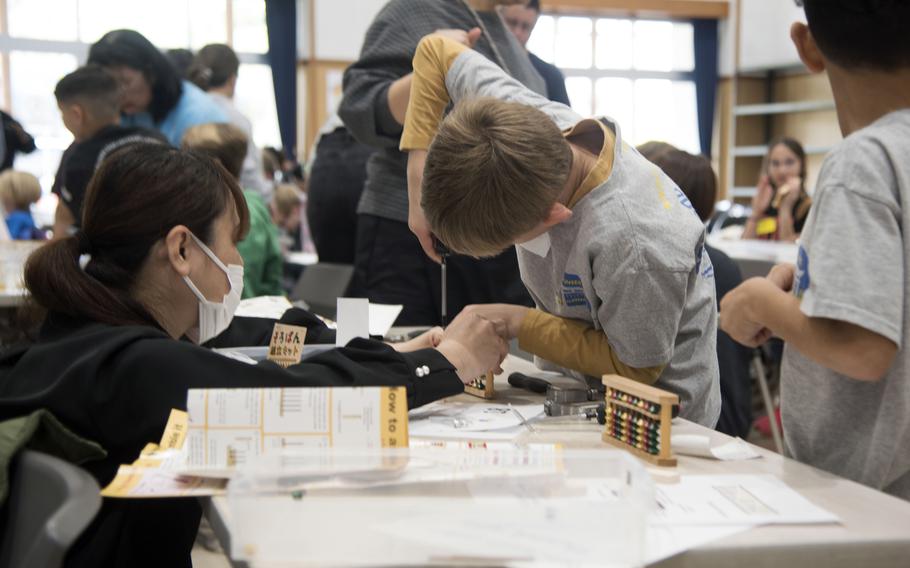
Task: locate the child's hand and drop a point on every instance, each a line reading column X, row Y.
column 782, row 276
column 738, row 315
column 474, row 345
column 787, row 194
column 468, row 38
column 417, row 221
column 513, row 316
column 762, row 198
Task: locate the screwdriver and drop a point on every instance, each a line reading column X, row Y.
column 443, row 255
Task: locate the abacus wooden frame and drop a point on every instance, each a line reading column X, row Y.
column 666, row 400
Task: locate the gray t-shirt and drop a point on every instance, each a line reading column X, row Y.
column 630, row 260
column 852, row 267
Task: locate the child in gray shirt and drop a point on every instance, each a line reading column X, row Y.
column 845, row 382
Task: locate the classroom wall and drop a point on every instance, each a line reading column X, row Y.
column 339, row 27
column 765, row 34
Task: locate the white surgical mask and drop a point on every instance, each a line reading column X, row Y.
column 539, row 245
column 215, row 317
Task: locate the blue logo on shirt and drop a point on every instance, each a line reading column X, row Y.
column 573, row 293
column 683, row 200
column 801, row 278
column 703, row 265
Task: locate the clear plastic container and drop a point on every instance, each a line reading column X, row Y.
column 457, row 504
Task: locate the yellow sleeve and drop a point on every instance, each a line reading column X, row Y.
column 576, row 345
column 429, row 97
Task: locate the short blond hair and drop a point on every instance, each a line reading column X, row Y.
column 21, row 189
column 492, row 173
column 225, row 143
column 286, row 198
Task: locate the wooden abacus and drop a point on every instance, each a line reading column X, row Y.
column 482, row 386
column 637, row 419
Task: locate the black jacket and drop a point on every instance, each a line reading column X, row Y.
column 116, row 385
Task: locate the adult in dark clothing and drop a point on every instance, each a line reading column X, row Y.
column 89, row 101
column 522, row 19
column 14, row 139
column 156, row 263
column 695, row 177
column 390, row 265
column 334, row 186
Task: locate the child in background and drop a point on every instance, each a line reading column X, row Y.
column 842, row 310
column 89, row 102
column 609, row 248
column 18, row 190
column 287, row 208
column 781, row 204
column 262, row 260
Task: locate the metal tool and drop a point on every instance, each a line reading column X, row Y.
column 533, row 384
column 569, row 401
column 574, row 400
column 443, row 255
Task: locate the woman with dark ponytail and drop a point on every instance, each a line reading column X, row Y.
column 153, row 274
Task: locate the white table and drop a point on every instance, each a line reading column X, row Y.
column 754, row 257
column 12, row 298
column 875, row 529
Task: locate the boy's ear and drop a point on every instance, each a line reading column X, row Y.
column 557, row 214
column 807, row 48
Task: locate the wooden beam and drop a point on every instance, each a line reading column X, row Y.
column 709, row 9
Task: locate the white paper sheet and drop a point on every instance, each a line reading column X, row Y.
column 665, row 541
column 353, row 320
column 575, row 542
column 271, row 307
column 382, row 318
column 471, row 421
column 697, row 445
column 227, row 427
column 734, row 500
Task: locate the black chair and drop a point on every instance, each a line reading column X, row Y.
column 321, row 285
column 51, row 502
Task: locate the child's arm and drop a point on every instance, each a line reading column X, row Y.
column 447, row 71
column 576, row 345
column 759, row 307
column 848, row 310
column 566, row 342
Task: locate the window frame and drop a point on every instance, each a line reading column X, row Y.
column 593, row 73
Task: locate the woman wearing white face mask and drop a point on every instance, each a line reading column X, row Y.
column 157, row 261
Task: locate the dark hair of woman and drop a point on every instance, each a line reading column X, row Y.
column 213, row 65
column 137, row 196
column 131, row 49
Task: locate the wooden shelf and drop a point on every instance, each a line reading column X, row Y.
column 782, row 108
column 761, row 150
column 742, row 191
